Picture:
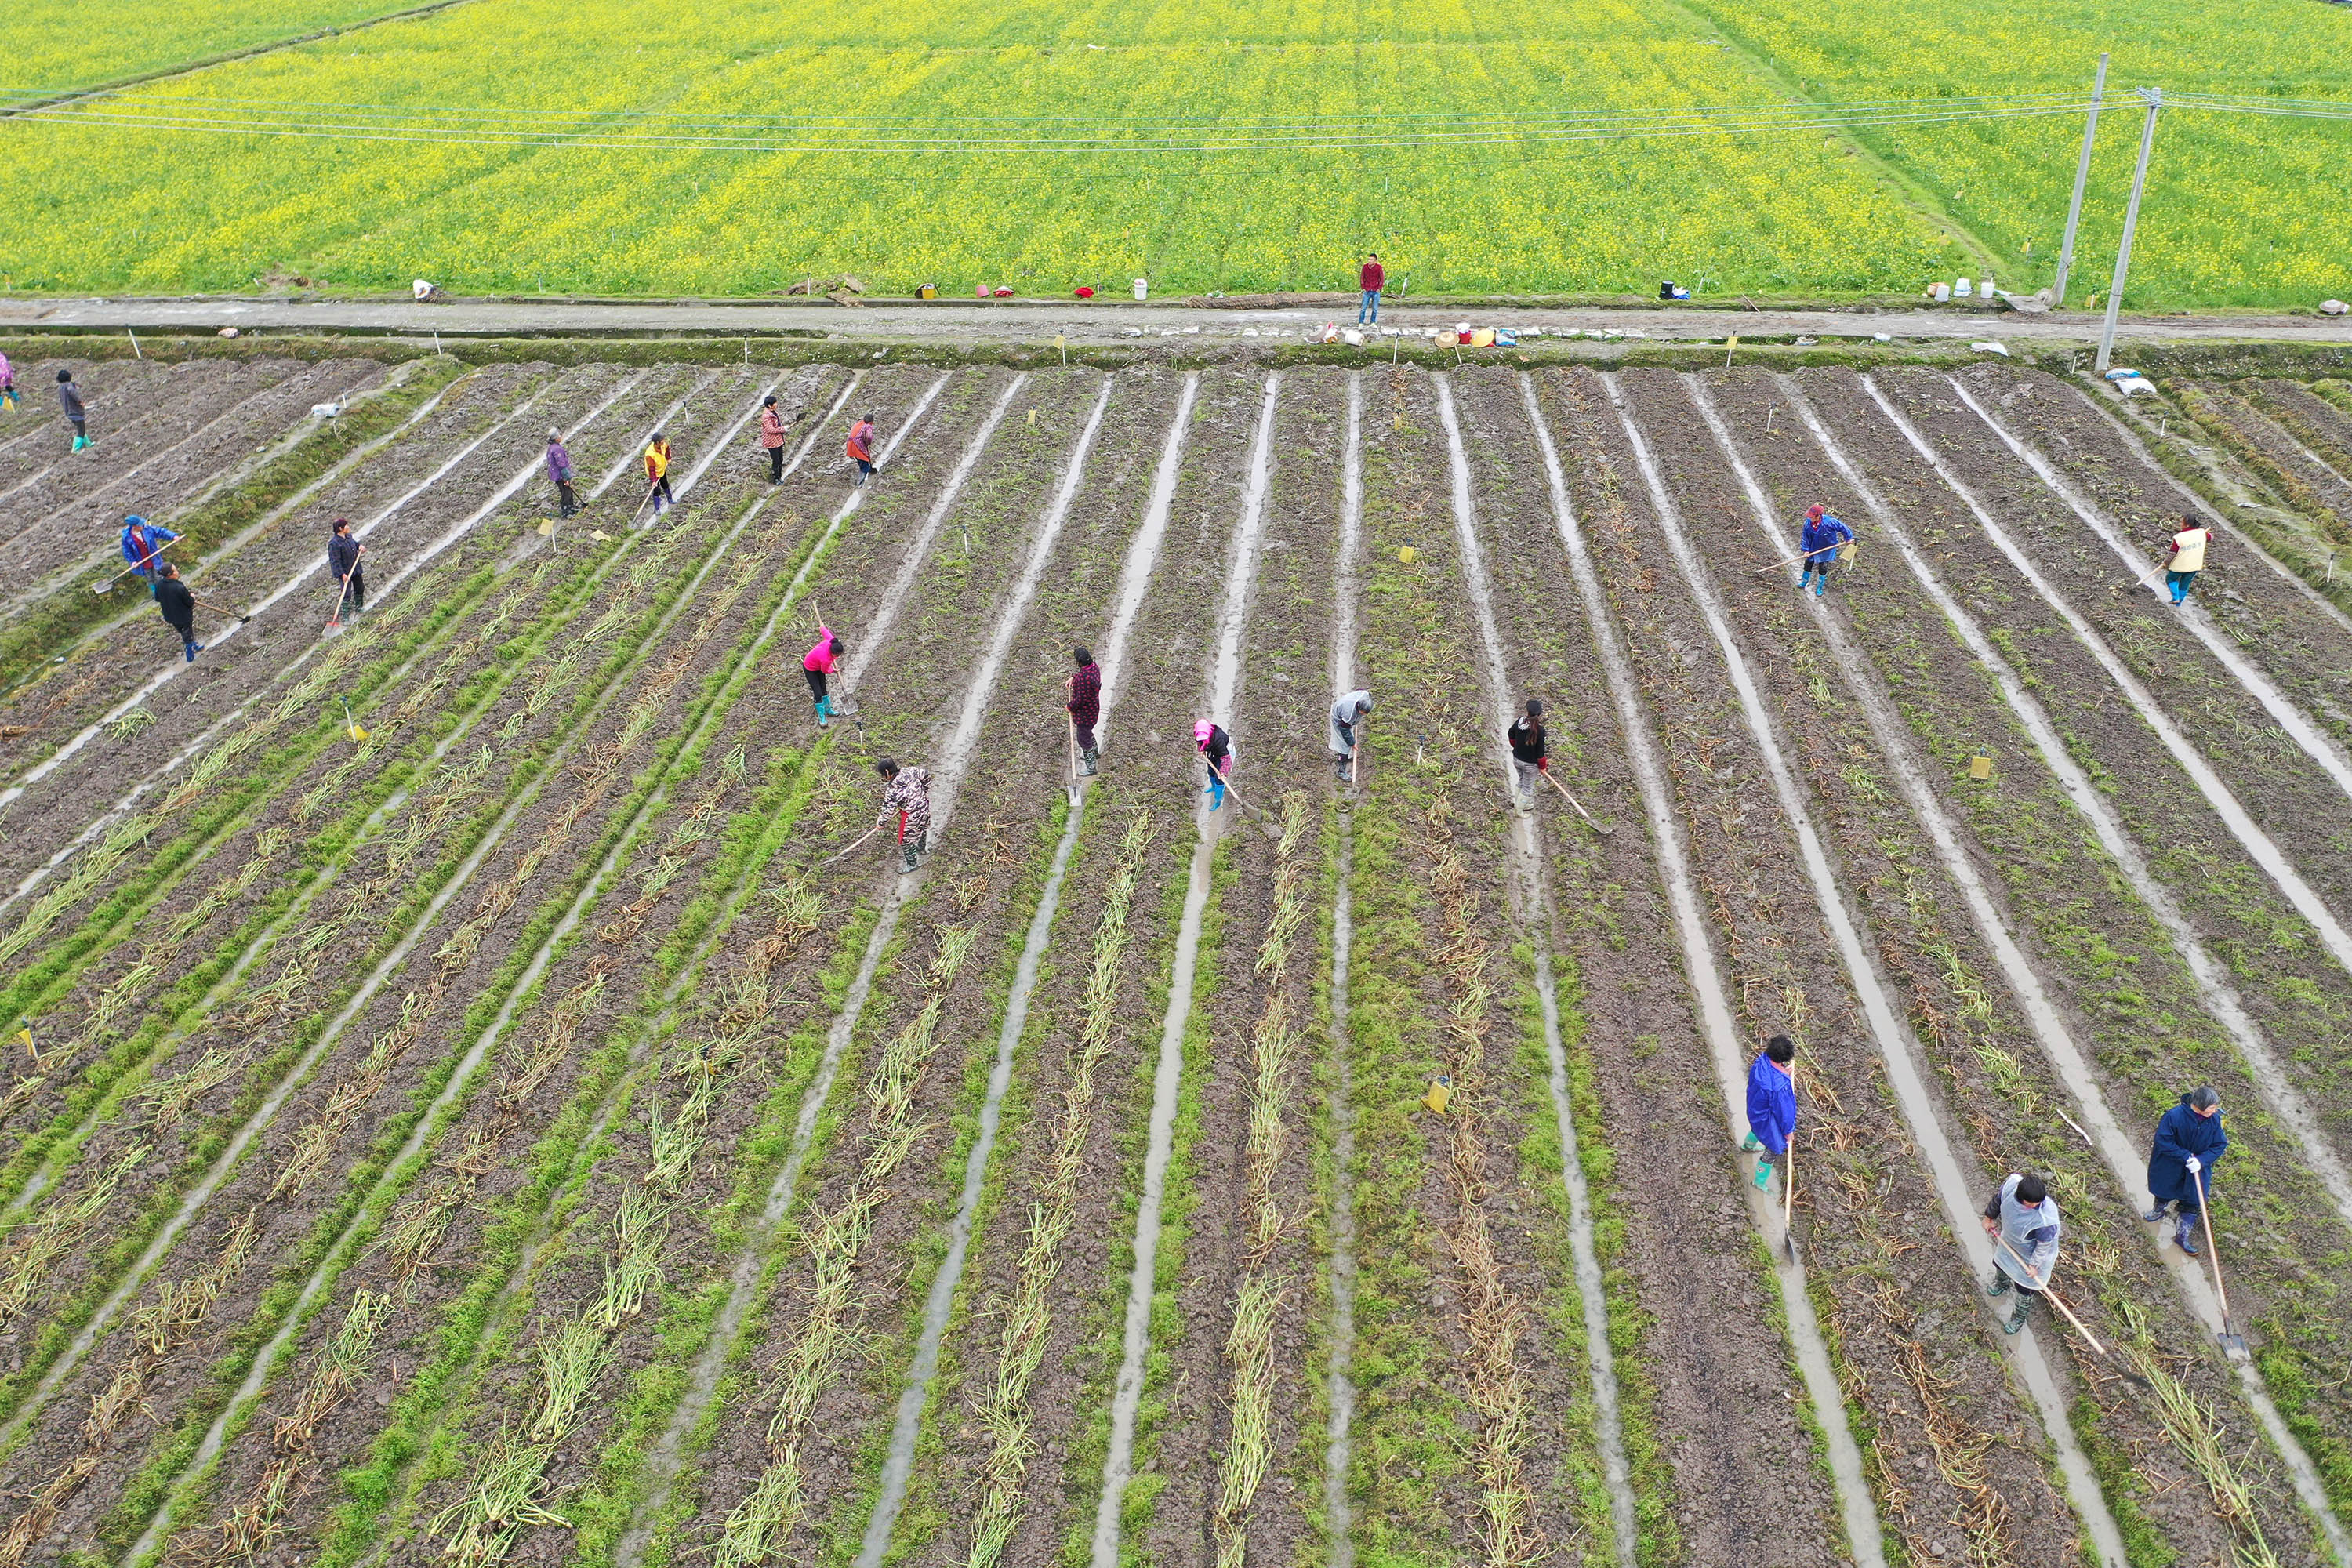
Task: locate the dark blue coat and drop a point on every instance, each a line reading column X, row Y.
column 1771, row 1104
column 2183, row 1132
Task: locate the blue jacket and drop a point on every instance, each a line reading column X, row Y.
column 135, row 553
column 1771, row 1104
column 2183, row 1132
column 1825, row 533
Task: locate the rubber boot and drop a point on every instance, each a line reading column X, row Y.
column 195, row 648
column 1751, row 1142
column 2156, row 1213
column 2000, row 1286
column 2017, row 1319
column 1763, row 1174
column 1089, row 763
column 2184, row 1235
column 1217, row 793
column 822, row 718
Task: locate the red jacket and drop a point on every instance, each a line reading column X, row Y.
column 1373, row 278
column 772, row 429
column 860, row 434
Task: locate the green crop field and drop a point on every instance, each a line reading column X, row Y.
column 628, row 147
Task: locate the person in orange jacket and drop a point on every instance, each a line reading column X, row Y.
column 861, row 449
column 658, row 472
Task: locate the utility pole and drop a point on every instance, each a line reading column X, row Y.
column 2154, row 98
column 2082, row 178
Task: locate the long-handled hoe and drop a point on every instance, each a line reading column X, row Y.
column 2115, row 1363
column 335, row 621
column 1789, row 1197
column 829, row 860
column 222, row 610
column 107, row 587
column 1266, row 823
column 2232, row 1342
column 1597, row 827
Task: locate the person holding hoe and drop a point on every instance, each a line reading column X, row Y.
column 179, row 608
column 1217, row 749
column 1085, row 705
column 2185, row 557
column 1348, row 716
column 559, row 468
column 142, row 545
column 2189, row 1143
column 2022, row 1220
column 657, row 473
column 861, row 449
column 343, row 553
column 1824, row 536
column 1530, row 759
column 1772, row 1105
column 817, row 664
column 908, row 795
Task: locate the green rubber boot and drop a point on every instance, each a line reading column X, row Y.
column 1751, row 1143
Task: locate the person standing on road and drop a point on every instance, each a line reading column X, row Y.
column 1348, row 716
column 1824, row 535
column 1216, row 748
column 2189, row 1143
column 179, row 608
column 1371, row 278
column 70, row 398
column 343, row 553
column 1085, row 703
column 2022, row 1220
column 815, row 666
column 772, row 438
column 910, row 795
column 7, row 384
column 2185, row 557
column 658, row 472
column 142, row 546
column 1531, row 760
column 559, row 468
column 861, row 449
column 1772, row 1105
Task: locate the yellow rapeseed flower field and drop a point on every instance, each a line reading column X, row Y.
column 619, row 146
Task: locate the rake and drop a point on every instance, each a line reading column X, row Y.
column 2115, row 1363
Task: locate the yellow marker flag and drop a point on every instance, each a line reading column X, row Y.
column 1980, row 766
column 1440, row 1095
column 1405, row 554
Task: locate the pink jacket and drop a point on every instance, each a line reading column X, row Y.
column 820, row 658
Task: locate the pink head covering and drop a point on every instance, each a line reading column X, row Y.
column 1201, row 733
column 1813, row 512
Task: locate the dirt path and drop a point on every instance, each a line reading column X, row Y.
column 1037, row 321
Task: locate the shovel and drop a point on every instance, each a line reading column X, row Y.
column 222, row 610
column 2232, row 1343
column 1571, row 800
column 1265, row 826
column 107, row 587
column 2115, row 1363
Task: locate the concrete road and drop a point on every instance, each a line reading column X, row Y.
column 1039, row 321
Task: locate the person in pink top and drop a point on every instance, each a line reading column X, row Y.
column 818, row 663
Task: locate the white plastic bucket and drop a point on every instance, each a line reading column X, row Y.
column 1141, row 288
column 1940, row 292
column 1963, row 290
column 1984, row 287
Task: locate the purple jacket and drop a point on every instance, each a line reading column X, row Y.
column 558, row 463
